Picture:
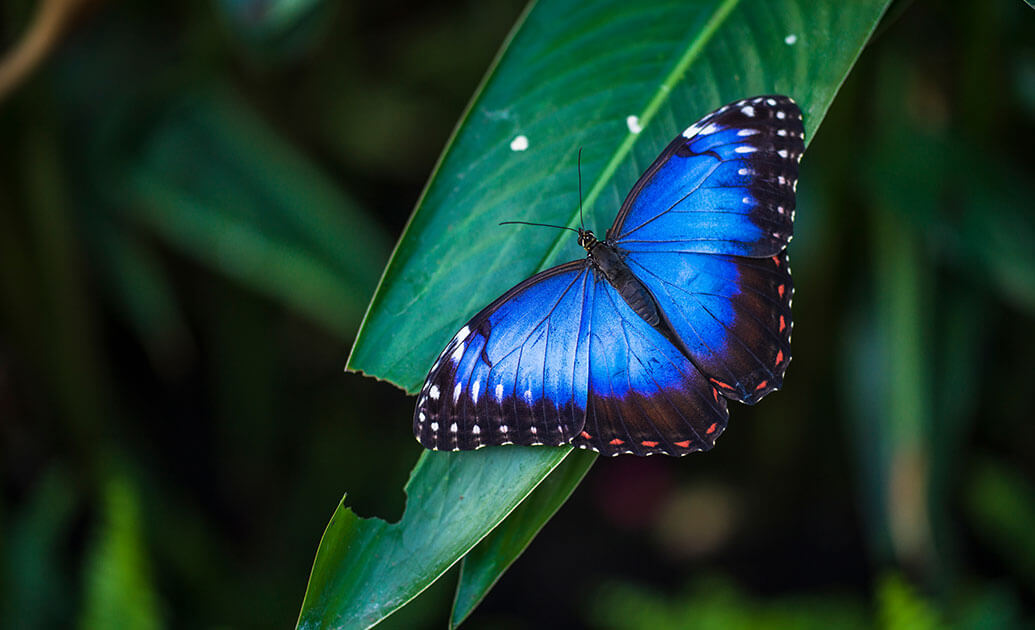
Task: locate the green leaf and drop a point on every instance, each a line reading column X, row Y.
column 119, row 592
column 900, row 607
column 365, row 569
column 571, row 75
column 484, row 564
column 213, row 181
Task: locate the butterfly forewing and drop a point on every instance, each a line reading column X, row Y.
column 726, row 185
column 516, row 373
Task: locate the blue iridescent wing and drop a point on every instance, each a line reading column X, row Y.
column 705, row 230
column 732, row 314
column 517, row 373
column 724, row 186
column 645, row 397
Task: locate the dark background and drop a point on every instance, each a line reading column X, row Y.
column 176, row 429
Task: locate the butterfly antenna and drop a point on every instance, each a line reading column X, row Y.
column 559, row 227
column 582, row 222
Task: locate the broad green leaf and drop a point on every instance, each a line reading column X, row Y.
column 484, row 564
column 571, row 75
column 367, row 568
column 213, row 181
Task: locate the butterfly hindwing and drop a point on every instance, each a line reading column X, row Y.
column 732, row 313
column 516, row 373
column 645, row 397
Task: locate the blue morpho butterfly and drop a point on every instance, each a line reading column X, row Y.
column 636, row 347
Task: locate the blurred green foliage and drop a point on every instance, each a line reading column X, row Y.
column 197, row 200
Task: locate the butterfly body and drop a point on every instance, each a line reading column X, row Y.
column 606, row 260
column 637, row 347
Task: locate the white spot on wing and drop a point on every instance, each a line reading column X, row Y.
column 499, row 392
column 745, row 149
column 456, row 393
column 434, row 426
column 453, row 428
column 633, row 123
column 748, row 111
column 791, row 39
column 433, row 392
column 711, row 128
column 504, row 428
column 459, row 352
column 475, row 389
column 476, row 430
column 460, row 336
column 747, row 132
column 519, row 143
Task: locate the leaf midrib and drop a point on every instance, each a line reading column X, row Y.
column 693, row 51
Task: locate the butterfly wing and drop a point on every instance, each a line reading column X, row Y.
column 517, row 373
column 645, row 397
column 724, row 186
column 705, row 230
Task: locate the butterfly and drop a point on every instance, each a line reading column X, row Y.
column 685, row 304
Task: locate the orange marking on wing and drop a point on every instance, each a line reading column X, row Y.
column 711, row 429
column 783, row 324
column 780, row 290
column 721, row 384
column 649, row 444
column 761, row 385
column 616, row 442
column 779, row 357
column 776, row 260
column 685, row 444
column 586, row 435
column 715, row 394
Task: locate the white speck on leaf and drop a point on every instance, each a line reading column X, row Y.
column 519, row 143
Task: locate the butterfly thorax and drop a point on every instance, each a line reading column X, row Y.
column 605, row 258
